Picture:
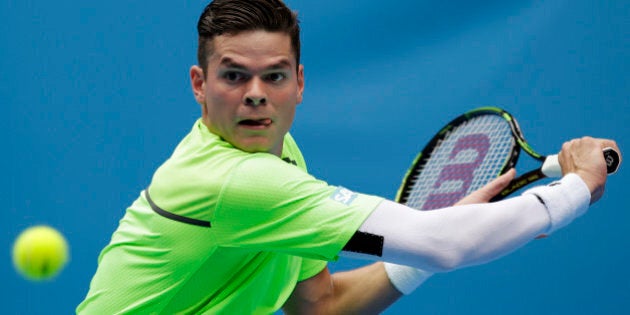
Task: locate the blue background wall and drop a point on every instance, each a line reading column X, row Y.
column 96, row 96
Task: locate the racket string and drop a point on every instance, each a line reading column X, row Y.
column 468, row 156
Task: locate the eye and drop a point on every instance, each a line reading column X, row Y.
column 234, row 76
column 276, row 76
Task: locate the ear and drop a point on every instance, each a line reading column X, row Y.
column 300, row 81
column 198, row 84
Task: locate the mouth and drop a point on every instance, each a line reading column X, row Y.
column 256, row 123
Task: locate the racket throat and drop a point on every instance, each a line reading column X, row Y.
column 519, row 183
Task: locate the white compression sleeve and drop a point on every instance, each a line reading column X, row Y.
column 404, row 278
column 455, row 237
column 563, row 208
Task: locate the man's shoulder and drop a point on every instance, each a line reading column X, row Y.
column 291, row 152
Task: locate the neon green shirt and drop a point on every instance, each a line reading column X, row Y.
column 222, row 231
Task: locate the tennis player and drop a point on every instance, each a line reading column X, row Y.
column 232, row 223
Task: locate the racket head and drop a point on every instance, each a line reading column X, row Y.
column 463, row 156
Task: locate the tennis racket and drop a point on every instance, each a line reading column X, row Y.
column 469, row 152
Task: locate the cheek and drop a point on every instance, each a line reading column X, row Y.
column 221, row 101
column 290, row 100
column 288, row 114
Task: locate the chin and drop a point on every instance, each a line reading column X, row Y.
column 259, row 144
column 254, row 147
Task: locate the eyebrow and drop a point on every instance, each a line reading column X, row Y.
column 230, row 63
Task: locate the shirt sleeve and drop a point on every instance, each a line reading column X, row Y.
column 269, row 205
column 310, row 268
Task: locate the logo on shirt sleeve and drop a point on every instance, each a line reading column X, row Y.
column 343, row 195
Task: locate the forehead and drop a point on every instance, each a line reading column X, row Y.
column 253, row 47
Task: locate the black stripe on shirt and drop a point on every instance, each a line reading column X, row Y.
column 174, row 216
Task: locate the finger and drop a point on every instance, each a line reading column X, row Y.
column 502, row 181
column 497, row 185
column 485, row 193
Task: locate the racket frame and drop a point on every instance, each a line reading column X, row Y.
column 421, row 159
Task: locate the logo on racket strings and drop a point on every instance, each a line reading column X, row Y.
column 457, row 176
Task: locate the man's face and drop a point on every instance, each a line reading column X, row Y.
column 250, row 90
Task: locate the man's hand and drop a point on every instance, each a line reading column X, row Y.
column 584, row 157
column 491, row 189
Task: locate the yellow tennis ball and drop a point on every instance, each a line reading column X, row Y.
column 40, row 252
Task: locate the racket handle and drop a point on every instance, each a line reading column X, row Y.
column 551, row 166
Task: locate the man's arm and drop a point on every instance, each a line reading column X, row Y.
column 366, row 290
column 369, row 290
column 456, row 237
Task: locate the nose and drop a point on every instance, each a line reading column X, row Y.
column 255, row 101
column 255, row 94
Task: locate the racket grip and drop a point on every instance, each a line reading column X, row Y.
column 551, row 166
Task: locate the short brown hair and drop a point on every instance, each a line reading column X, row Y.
column 235, row 16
